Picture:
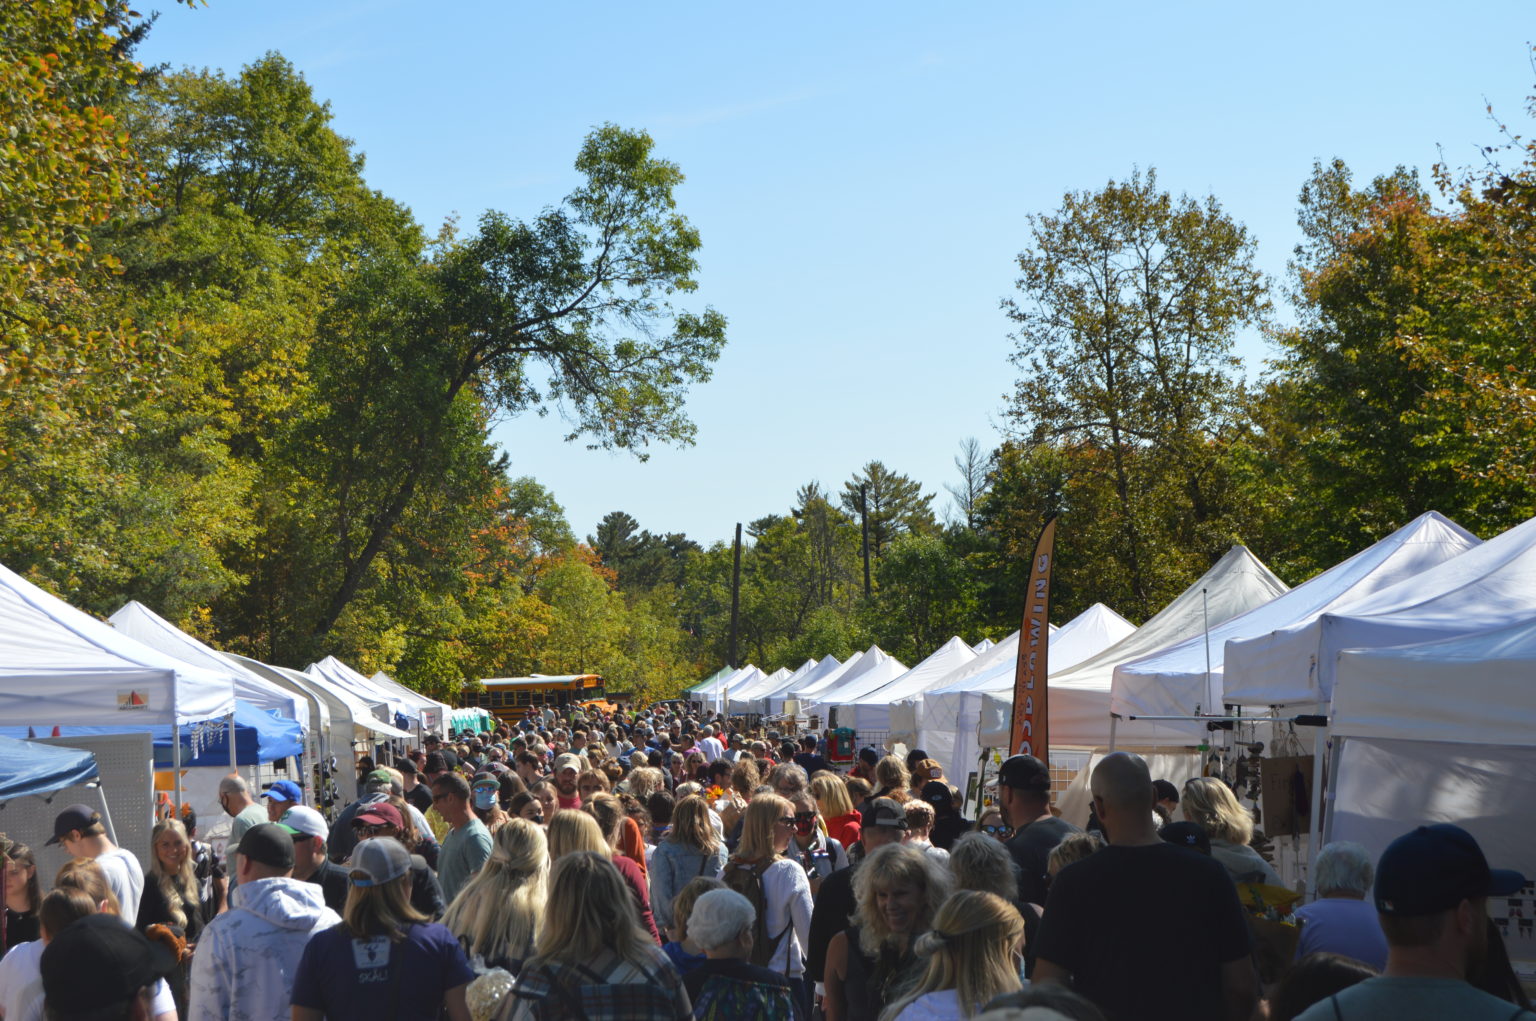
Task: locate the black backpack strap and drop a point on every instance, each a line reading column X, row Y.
column 1334, row 999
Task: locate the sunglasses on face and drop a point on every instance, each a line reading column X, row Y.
column 998, row 831
column 373, row 830
column 805, row 817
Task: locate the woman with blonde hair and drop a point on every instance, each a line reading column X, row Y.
column 891, row 780
column 973, row 953
column 691, row 848
column 171, row 893
column 84, row 875
column 497, row 914
column 843, row 823
column 385, row 959
column 760, row 871
column 1211, row 803
column 898, row 889
column 593, row 953
column 571, row 831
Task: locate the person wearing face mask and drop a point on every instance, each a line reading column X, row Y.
column 527, row 806
column 485, row 796
column 820, row 854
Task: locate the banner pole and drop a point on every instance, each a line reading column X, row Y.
column 1031, row 719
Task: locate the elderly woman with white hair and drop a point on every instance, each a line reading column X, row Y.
column 722, row 923
column 1343, row 920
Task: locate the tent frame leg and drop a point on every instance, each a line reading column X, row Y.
column 106, row 813
column 175, row 769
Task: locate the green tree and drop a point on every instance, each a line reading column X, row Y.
column 925, row 596
column 1130, row 303
column 574, row 307
column 894, row 504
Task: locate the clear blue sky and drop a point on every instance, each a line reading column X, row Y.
column 862, row 173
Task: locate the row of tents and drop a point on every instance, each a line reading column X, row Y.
column 65, row 673
column 1419, row 650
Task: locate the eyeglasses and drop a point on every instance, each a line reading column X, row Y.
column 998, row 831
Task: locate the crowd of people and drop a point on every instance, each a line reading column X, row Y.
column 662, row 864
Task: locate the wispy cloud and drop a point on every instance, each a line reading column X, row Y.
column 685, row 120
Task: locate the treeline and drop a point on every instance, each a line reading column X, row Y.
column 241, row 386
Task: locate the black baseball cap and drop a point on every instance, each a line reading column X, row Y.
column 915, row 756
column 269, row 844
column 75, row 817
column 936, row 793
column 886, row 812
column 98, row 962
column 1024, row 772
column 1435, row 868
column 1187, row 834
column 869, row 755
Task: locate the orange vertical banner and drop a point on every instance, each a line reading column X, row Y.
column 1031, row 721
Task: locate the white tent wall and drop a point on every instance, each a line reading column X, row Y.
column 388, row 684
column 1385, row 788
column 1492, row 585
column 386, row 704
column 756, row 700
column 1187, row 678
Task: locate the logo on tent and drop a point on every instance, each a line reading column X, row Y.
column 132, row 700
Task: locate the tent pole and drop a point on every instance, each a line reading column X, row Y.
column 106, row 813
column 234, row 764
column 175, row 765
column 1319, row 747
column 1114, row 722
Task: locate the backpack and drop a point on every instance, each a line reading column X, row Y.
column 747, row 880
column 727, row 999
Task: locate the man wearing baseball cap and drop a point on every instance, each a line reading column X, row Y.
column 80, row 832
column 1431, row 893
column 310, row 864
column 245, row 961
column 1024, row 795
column 99, row 969
column 281, row 795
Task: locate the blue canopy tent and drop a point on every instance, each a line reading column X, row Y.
column 29, row 768
column 260, row 736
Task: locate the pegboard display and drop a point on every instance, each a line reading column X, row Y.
column 124, row 762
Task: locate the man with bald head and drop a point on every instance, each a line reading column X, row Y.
column 1146, row 929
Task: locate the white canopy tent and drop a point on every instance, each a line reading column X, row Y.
column 351, row 717
column 1079, row 695
column 872, row 658
column 773, row 701
column 142, row 624
column 1490, row 586
column 1185, row 679
column 388, row 684
column 870, row 709
column 60, row 666
column 1440, row 731
column 338, row 675
column 876, row 665
column 747, row 699
column 718, row 687
column 984, row 645
column 948, row 717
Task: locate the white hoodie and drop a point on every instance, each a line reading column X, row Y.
column 245, row 960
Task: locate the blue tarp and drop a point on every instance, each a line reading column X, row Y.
column 260, row 736
column 30, row 768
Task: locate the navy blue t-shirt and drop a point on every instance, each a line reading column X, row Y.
column 351, row 979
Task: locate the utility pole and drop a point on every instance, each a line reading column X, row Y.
column 864, row 529
column 735, row 594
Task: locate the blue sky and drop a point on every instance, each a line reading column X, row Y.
column 861, row 175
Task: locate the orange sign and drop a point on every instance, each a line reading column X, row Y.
column 1031, row 722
